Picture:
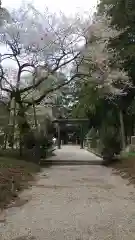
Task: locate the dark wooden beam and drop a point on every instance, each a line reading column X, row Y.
column 71, row 120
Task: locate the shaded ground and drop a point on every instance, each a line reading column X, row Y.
column 126, row 168
column 14, row 177
column 74, row 203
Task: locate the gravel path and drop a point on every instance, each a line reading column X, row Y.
column 69, row 152
column 73, row 203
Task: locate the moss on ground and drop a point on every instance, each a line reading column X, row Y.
column 15, row 175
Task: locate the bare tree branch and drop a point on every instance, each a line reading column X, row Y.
column 42, row 79
column 15, row 51
column 2, row 77
column 21, row 68
column 37, row 101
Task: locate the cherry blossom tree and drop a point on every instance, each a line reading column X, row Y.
column 101, row 62
column 38, row 47
column 41, row 45
column 106, row 78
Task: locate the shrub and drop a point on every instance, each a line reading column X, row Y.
column 32, row 150
column 111, row 144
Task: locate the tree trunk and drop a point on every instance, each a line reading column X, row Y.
column 35, row 116
column 23, row 125
column 6, row 131
column 14, row 121
column 122, row 128
column 20, row 145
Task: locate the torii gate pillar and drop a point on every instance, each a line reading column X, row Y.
column 59, row 137
column 81, row 137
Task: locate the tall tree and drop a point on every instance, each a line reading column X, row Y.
column 121, row 14
column 100, row 94
column 41, row 45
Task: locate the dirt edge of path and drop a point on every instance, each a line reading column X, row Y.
column 15, row 176
column 125, row 168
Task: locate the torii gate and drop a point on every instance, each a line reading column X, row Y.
column 79, row 121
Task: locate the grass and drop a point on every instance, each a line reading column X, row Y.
column 14, row 177
column 129, row 154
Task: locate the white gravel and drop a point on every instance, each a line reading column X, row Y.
column 74, row 203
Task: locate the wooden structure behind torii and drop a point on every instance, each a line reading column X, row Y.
column 79, row 121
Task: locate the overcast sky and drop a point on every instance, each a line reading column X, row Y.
column 69, row 6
